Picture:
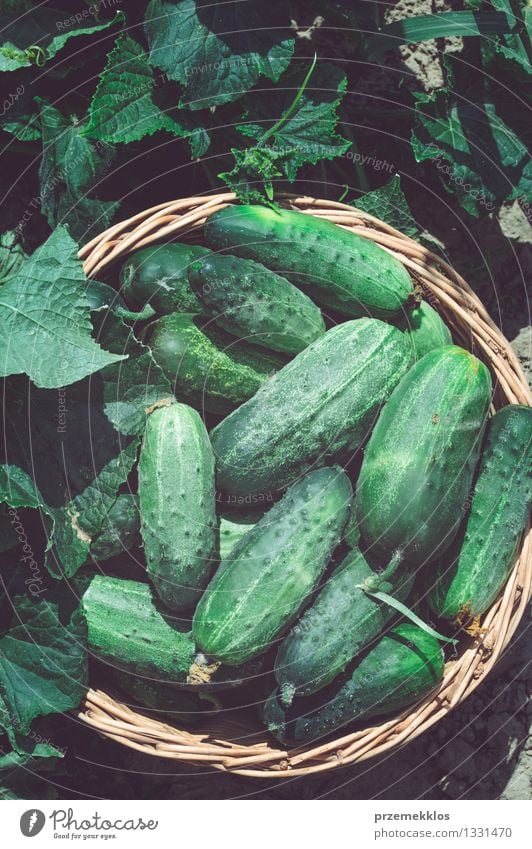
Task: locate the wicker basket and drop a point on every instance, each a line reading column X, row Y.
column 238, row 744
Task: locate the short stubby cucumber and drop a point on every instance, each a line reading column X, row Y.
column 158, row 276
column 318, row 408
column 255, row 304
column 403, row 667
column 207, row 367
column 177, row 504
column 341, row 270
column 233, row 526
column 128, row 630
column 259, row 590
column 470, row 576
column 425, row 328
column 419, row 462
column 342, row 620
column 120, row 530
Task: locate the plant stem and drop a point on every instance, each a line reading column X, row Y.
column 287, row 114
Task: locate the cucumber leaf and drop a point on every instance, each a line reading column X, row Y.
column 218, row 51
column 129, row 387
column 83, row 518
column 17, row 488
column 390, row 205
column 293, row 124
column 45, row 328
column 123, row 108
column 43, row 658
column 70, row 167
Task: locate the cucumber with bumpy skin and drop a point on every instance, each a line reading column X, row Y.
column 128, row 630
column 425, row 328
column 318, row 408
column 207, row 367
column 403, row 667
column 258, row 591
column 233, row 526
column 158, row 276
column 337, row 268
column 466, row 581
column 177, row 504
column 255, row 304
column 419, row 462
column 340, row 622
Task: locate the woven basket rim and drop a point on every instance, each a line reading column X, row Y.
column 471, row 325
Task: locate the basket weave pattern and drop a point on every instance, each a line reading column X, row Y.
column 236, row 742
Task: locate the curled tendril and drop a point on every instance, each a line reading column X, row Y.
column 36, row 54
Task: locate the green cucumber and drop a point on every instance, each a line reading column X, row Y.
column 321, row 405
column 341, row 270
column 158, row 276
column 128, row 630
column 342, row 620
column 256, row 594
column 177, row 504
column 402, row 668
column 352, row 531
column 419, row 462
column 425, row 328
column 233, row 526
column 208, row 368
column 120, row 530
column 465, row 583
column 255, row 304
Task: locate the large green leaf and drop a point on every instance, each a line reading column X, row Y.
column 17, row 488
column 45, row 328
column 83, row 518
column 43, row 657
column 218, row 51
column 389, row 204
column 123, row 108
column 71, row 166
column 37, row 35
column 131, row 386
column 476, row 154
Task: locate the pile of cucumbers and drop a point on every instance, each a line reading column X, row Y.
column 327, row 487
